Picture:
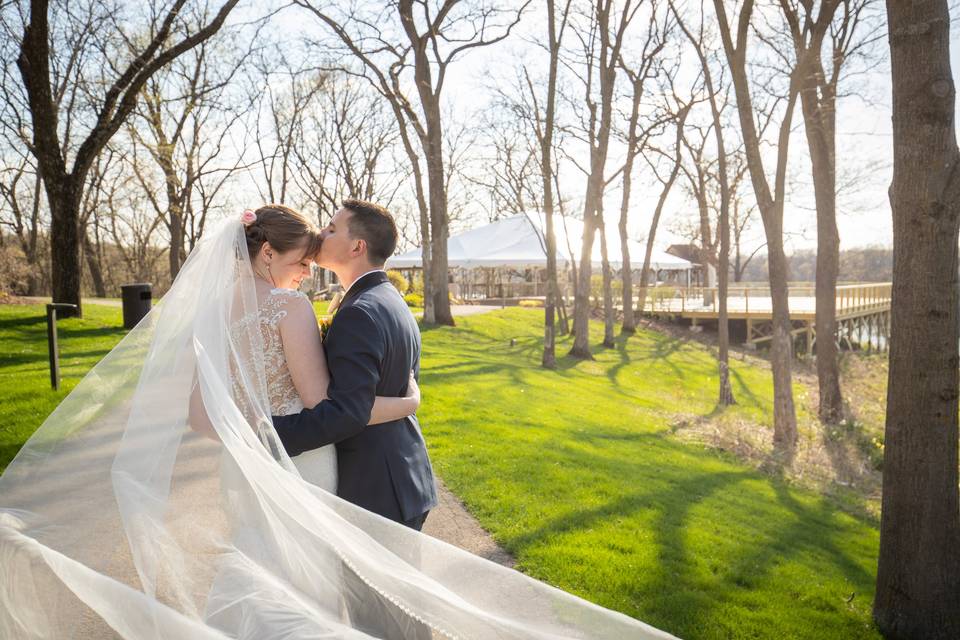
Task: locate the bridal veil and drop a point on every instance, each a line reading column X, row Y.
column 157, row 502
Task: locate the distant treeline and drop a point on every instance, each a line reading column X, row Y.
column 105, row 266
column 861, row 264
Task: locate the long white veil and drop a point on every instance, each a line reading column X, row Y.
column 120, row 518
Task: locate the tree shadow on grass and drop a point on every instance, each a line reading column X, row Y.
column 613, row 373
column 674, row 587
column 41, row 361
column 674, row 596
column 23, row 322
column 743, row 390
column 467, row 370
column 91, row 332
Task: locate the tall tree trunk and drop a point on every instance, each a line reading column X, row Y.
column 426, row 254
column 431, row 141
column 175, row 199
column 706, row 239
column 781, row 349
column 918, row 575
column 609, row 53
column 818, row 104
column 819, row 117
column 725, row 391
column 549, row 359
column 607, row 287
column 93, row 266
column 63, row 195
column 581, row 292
column 439, row 224
column 771, row 211
column 828, row 270
column 629, row 325
column 31, row 244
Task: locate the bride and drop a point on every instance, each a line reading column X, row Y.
column 281, row 244
column 156, row 501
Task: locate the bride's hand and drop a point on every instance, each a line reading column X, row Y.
column 393, row 408
column 413, row 390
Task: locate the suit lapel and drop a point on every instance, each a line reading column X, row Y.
column 364, row 283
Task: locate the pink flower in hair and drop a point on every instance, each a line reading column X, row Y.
column 248, row 217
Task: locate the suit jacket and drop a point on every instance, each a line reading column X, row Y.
column 372, row 345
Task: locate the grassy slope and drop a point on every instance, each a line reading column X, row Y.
column 575, row 473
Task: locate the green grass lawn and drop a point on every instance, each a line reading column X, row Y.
column 576, row 473
column 25, row 394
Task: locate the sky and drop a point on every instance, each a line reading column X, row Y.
column 864, row 151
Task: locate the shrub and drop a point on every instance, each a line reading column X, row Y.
column 596, row 289
column 416, row 284
column 531, row 303
column 397, row 280
column 413, row 300
column 662, row 293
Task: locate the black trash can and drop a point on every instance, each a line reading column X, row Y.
column 136, row 302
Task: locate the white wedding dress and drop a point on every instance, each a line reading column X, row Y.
column 156, row 502
column 318, row 466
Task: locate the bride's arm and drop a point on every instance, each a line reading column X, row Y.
column 303, row 351
column 386, row 409
column 307, row 363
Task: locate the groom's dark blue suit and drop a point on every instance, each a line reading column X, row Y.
column 372, row 345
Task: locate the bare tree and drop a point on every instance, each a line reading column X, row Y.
column 525, row 167
column 545, row 136
column 511, row 173
column 742, row 211
column 283, row 90
column 701, row 172
column 771, row 203
column 343, row 150
column 187, row 114
column 918, row 574
column 602, row 39
column 716, row 97
column 63, row 180
column 836, row 25
column 20, row 211
column 436, row 35
column 639, row 71
column 674, row 158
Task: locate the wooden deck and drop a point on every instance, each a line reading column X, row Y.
column 863, row 310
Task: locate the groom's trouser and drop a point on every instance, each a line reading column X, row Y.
column 372, row 613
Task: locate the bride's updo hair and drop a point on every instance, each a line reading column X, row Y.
column 284, row 228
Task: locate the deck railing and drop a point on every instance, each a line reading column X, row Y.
column 851, row 298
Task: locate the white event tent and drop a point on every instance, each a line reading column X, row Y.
column 517, row 242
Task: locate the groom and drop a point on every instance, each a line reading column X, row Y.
column 372, row 345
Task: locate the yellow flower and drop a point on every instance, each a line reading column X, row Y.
column 324, row 321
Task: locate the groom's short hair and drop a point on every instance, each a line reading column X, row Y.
column 375, row 226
